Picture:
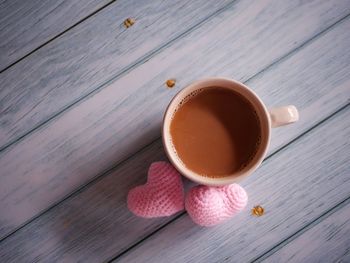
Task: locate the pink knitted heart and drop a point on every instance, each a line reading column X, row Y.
column 162, row 195
column 209, row 206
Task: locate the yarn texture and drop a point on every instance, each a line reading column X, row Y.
column 209, row 206
column 162, row 195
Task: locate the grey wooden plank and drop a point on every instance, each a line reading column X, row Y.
column 78, row 62
column 26, row 25
column 95, row 223
column 327, row 241
column 295, row 187
column 109, row 126
column 91, row 226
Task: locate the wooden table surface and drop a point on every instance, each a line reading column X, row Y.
column 81, row 105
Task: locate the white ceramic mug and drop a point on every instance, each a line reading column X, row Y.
column 268, row 119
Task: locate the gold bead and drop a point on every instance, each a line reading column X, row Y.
column 170, row 83
column 129, row 22
column 258, row 210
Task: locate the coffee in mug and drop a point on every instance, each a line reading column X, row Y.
column 217, row 131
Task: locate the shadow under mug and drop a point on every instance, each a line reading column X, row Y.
column 268, row 119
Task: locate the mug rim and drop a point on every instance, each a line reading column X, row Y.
column 263, row 116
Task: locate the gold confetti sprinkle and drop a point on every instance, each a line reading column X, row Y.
column 258, row 210
column 170, row 83
column 129, row 22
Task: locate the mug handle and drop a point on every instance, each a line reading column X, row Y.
column 283, row 115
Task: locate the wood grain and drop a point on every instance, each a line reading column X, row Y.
column 92, row 225
column 326, row 241
column 95, row 224
column 26, row 25
column 294, row 186
column 109, row 126
column 78, row 62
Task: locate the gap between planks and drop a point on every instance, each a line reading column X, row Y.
column 102, row 174
column 302, row 230
column 327, row 115
column 56, row 36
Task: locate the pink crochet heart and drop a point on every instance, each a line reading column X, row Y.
column 162, row 195
column 209, row 206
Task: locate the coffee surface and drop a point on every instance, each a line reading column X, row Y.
column 215, row 132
